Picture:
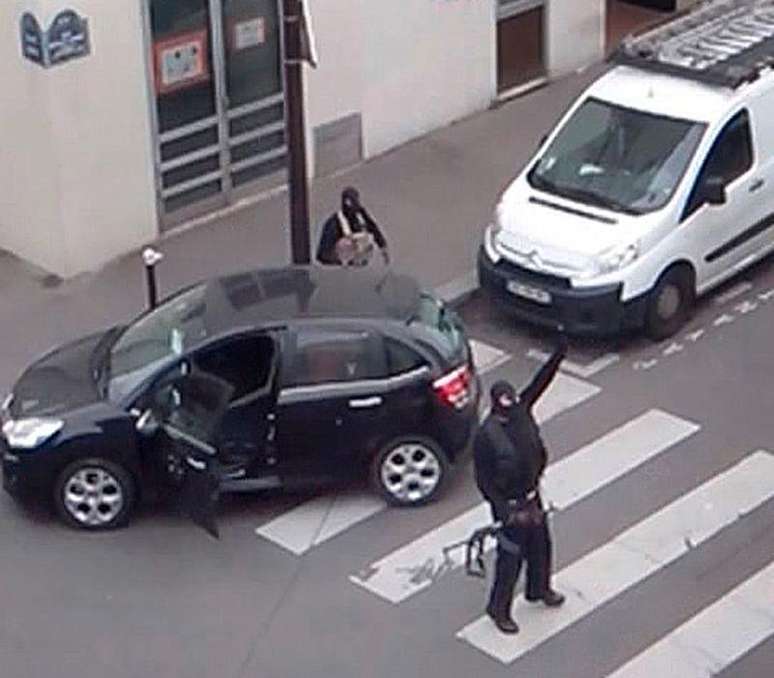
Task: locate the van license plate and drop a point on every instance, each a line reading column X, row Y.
column 527, row 292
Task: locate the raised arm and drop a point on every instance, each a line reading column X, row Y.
column 545, row 375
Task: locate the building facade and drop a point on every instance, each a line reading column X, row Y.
column 123, row 119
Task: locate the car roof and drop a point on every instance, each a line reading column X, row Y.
column 282, row 295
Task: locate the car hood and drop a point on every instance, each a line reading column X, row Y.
column 61, row 380
column 547, row 232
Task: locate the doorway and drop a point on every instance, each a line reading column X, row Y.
column 520, row 45
column 219, row 102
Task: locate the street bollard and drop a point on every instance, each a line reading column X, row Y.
column 150, row 258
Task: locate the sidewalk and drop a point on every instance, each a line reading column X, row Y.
column 431, row 196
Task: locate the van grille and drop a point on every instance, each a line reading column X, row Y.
column 512, row 270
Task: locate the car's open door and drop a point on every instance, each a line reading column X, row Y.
column 194, row 408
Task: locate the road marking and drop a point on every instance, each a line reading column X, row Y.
column 320, row 519
column 733, row 293
column 724, row 319
column 673, row 348
column 746, row 307
column 765, row 296
column 486, row 357
column 695, row 336
column 612, row 456
column 418, row 564
column 703, row 646
column 632, row 556
column 645, row 364
column 582, row 371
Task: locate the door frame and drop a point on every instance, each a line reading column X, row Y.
column 220, row 120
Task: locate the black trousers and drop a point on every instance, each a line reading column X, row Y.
column 533, row 544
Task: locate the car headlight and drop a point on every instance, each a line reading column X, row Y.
column 27, row 434
column 613, row 260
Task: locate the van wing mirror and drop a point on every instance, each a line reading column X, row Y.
column 713, row 190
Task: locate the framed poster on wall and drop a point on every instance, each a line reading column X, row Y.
column 181, row 61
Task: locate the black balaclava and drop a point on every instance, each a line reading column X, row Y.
column 350, row 203
column 502, row 388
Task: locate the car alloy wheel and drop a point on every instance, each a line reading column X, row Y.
column 410, row 472
column 94, row 494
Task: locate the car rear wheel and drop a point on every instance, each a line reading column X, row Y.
column 669, row 304
column 409, row 471
column 94, row 494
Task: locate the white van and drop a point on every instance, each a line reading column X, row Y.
column 657, row 185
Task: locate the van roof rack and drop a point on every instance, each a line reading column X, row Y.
column 719, row 42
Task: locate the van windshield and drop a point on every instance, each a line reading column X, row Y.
column 618, row 158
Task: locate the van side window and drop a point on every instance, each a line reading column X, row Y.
column 729, row 158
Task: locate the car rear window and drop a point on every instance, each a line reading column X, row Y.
column 436, row 324
column 401, row 358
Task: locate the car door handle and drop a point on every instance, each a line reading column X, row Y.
column 757, row 185
column 362, row 403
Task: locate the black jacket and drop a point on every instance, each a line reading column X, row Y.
column 331, row 232
column 510, row 456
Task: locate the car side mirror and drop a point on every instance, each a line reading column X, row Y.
column 147, row 425
column 713, row 191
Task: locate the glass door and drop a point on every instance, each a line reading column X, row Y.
column 254, row 98
column 219, row 101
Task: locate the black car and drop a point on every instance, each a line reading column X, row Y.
column 271, row 378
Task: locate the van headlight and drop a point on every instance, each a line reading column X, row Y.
column 27, row 434
column 613, row 260
column 490, row 236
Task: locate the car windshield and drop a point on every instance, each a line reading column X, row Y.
column 438, row 326
column 153, row 339
column 618, row 158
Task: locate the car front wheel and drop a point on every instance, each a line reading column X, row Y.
column 94, row 494
column 409, row 471
column 670, row 304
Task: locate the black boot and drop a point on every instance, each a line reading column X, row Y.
column 502, row 619
column 550, row 598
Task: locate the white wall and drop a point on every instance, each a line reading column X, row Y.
column 408, row 67
column 575, row 34
column 29, row 190
column 81, row 135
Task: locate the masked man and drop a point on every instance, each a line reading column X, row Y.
column 509, row 460
column 350, row 235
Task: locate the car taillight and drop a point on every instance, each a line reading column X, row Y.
column 454, row 388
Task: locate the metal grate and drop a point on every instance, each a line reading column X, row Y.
column 721, row 42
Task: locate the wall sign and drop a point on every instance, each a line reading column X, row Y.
column 249, row 33
column 66, row 38
column 181, row 61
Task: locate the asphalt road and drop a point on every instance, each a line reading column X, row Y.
column 646, row 575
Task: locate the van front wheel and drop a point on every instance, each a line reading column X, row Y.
column 669, row 304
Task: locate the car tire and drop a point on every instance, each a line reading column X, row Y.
column 106, row 491
column 409, row 471
column 669, row 304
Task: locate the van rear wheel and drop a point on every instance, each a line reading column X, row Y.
column 669, row 304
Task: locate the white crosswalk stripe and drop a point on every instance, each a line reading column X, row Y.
column 715, row 638
column 632, row 556
column 415, row 566
column 318, row 520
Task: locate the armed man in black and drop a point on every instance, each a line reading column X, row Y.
column 510, row 458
